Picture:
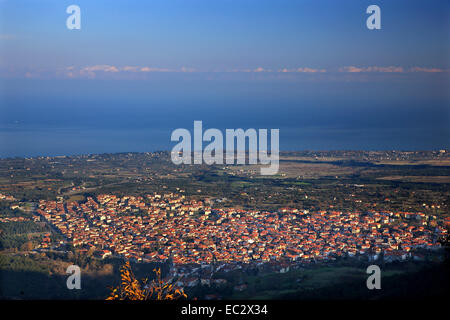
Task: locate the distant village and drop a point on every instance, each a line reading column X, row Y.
column 188, row 231
column 198, row 240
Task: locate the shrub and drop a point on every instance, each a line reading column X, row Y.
column 133, row 289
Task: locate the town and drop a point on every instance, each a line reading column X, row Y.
column 158, row 227
column 222, row 231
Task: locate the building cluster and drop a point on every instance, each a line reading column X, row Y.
column 14, row 219
column 158, row 227
column 7, row 197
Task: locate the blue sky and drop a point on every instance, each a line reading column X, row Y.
column 225, row 35
column 310, row 68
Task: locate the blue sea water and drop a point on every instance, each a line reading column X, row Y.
column 48, row 117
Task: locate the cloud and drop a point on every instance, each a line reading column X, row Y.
column 303, row 70
column 390, row 69
column 186, row 69
column 148, row 69
column 353, row 69
column 141, row 72
column 310, row 70
column 91, row 71
column 134, row 69
column 103, row 67
column 131, row 69
column 125, row 71
column 429, row 70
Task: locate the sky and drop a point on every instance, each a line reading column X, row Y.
column 137, row 70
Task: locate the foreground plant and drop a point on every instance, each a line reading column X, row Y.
column 133, row 289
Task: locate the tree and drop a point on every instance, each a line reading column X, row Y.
column 90, row 251
column 27, row 246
